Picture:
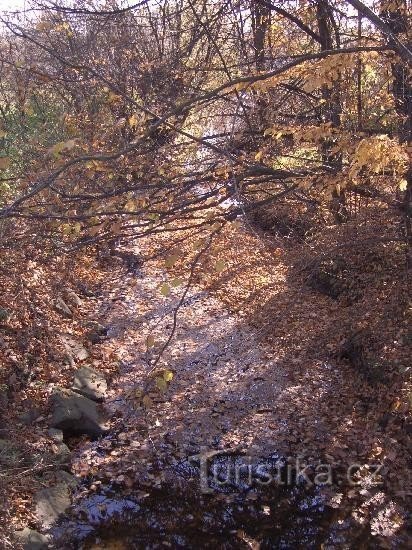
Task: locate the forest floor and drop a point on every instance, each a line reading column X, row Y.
column 253, row 370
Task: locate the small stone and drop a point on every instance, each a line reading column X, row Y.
column 51, row 503
column 90, row 383
column 73, row 298
column 74, row 348
column 56, row 435
column 31, row 539
column 62, row 307
column 95, row 338
column 62, row 453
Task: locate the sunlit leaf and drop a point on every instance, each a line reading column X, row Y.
column 165, row 289
column 198, row 244
column 133, row 120
column 403, row 184
column 130, row 205
column 220, row 266
column 171, row 260
column 168, row 375
column 161, row 383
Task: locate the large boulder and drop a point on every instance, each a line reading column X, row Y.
column 75, row 414
column 90, row 383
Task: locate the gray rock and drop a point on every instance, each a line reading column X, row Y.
column 74, row 348
column 73, row 298
column 51, row 503
column 90, row 383
column 63, row 308
column 4, row 314
column 31, row 539
column 95, row 338
column 100, row 329
column 64, row 477
column 56, row 435
column 63, row 453
column 29, row 416
column 75, row 414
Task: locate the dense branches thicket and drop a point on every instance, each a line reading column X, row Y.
column 213, row 137
column 163, row 113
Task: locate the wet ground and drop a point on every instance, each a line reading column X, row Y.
column 241, row 504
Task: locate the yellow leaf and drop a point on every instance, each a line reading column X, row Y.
column 3, row 134
column 197, row 245
column 403, row 184
column 130, row 206
column 77, row 227
column 133, row 121
column 220, row 266
column 165, row 289
column 176, row 282
column 168, row 375
column 66, row 229
column 4, row 163
column 62, row 146
column 258, row 155
column 161, row 383
column 171, row 260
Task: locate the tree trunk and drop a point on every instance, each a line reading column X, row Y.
column 397, row 20
column 331, row 111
